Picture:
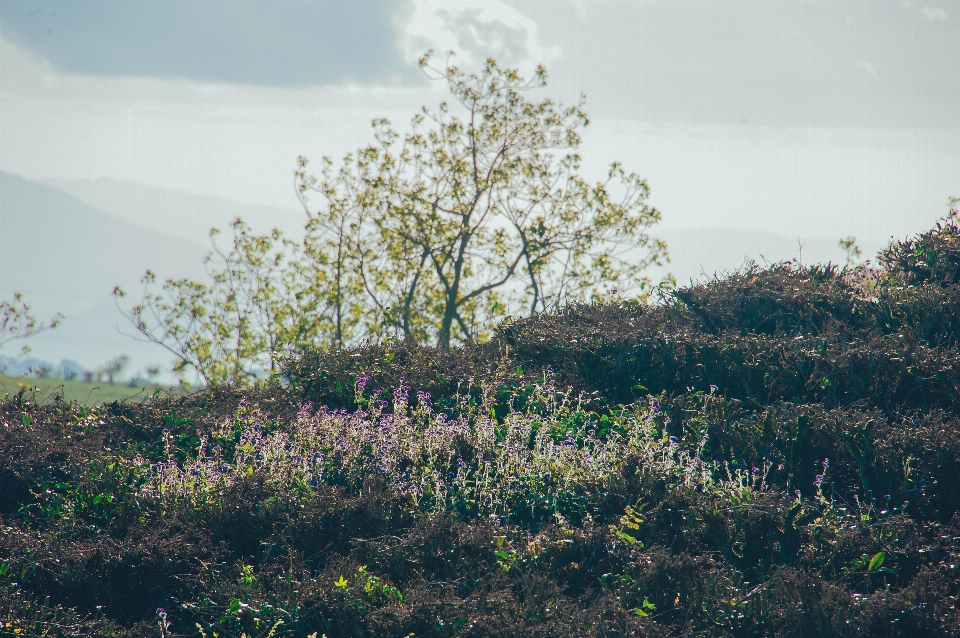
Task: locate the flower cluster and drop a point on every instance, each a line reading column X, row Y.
column 537, row 462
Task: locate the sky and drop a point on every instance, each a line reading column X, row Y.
column 809, row 120
column 824, row 116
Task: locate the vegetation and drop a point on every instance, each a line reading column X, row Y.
column 17, row 322
column 87, row 393
column 775, row 453
column 478, row 213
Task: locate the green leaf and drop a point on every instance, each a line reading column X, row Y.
column 876, row 561
column 341, row 583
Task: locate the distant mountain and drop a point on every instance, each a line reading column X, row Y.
column 65, row 255
column 185, row 215
column 16, row 367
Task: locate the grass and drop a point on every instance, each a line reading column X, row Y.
column 82, row 392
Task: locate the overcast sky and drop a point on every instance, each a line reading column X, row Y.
column 815, row 117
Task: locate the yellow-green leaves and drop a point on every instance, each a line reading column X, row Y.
column 476, row 213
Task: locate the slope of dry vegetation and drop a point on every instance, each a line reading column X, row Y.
column 776, row 453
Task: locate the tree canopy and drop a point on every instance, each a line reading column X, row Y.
column 477, row 213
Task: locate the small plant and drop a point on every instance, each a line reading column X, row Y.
column 629, row 526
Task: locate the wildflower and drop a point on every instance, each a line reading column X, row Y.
column 713, row 388
column 673, row 439
column 818, row 479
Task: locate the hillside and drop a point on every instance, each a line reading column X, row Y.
column 85, row 393
column 66, row 256
column 186, row 215
column 773, row 453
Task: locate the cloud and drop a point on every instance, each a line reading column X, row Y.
column 239, row 41
column 234, row 141
column 934, row 14
column 476, row 30
column 869, row 68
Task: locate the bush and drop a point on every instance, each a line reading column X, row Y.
column 776, row 453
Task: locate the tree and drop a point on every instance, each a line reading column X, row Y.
column 17, row 322
column 476, row 214
column 231, row 330
column 472, row 217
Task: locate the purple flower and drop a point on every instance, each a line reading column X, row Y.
column 673, row 439
column 713, row 388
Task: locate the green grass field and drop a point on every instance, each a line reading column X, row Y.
column 88, row 394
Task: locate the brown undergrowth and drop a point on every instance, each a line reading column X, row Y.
column 775, row 453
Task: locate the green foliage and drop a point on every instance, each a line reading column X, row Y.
column 232, row 330
column 444, row 225
column 930, row 257
column 478, row 213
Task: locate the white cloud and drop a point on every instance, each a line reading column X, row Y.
column 869, row 68
column 476, row 30
column 934, row 14
column 239, row 142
